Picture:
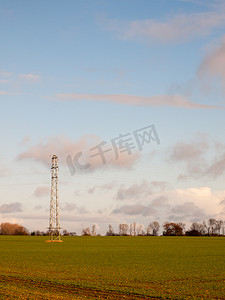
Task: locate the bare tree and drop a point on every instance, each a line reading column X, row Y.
column 123, row 229
column 149, row 230
column 134, row 228
column 206, row 227
column 182, row 225
column 110, row 231
column 93, row 230
column 194, row 226
column 219, row 224
column 140, row 230
column 223, row 228
column 131, row 229
column 86, row 231
column 153, row 228
column 212, row 225
column 197, row 229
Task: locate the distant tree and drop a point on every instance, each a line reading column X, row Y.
column 212, row 223
column 12, row 229
column 65, row 232
column 192, row 232
column 110, row 231
column 140, row 230
column 173, row 229
column 153, row 228
column 72, row 233
column 182, row 225
column 206, row 228
column 202, row 229
column 86, row 231
column 131, row 229
column 149, row 230
column 20, row 230
column 93, row 230
column 123, row 229
column 197, row 229
column 219, row 225
column 134, row 228
column 223, row 228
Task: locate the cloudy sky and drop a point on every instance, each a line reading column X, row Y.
column 129, row 95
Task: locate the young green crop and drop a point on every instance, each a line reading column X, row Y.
column 112, row 267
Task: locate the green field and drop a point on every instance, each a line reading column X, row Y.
column 112, row 268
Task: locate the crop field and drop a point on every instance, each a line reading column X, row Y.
column 112, row 268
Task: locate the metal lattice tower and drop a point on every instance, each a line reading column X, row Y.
column 54, row 221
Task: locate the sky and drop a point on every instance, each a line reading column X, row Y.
column 129, row 95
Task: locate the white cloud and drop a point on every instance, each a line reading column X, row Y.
column 184, row 205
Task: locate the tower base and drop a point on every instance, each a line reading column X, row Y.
column 55, row 241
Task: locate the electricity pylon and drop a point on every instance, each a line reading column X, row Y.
column 54, row 221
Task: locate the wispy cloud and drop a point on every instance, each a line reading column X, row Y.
column 178, row 28
column 12, row 207
column 64, row 147
column 4, row 171
column 5, row 74
column 5, row 93
column 143, row 209
column 187, row 211
column 4, row 81
column 60, row 145
column 158, row 100
column 200, row 157
column 41, row 191
column 136, row 209
column 25, row 140
column 103, row 187
column 214, row 63
column 30, row 77
column 70, row 207
column 217, row 167
column 138, row 191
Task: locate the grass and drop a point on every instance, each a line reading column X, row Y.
column 112, row 268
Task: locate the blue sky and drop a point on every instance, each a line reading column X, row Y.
column 76, row 73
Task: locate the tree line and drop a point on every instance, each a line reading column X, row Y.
column 212, row 227
column 12, row 229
